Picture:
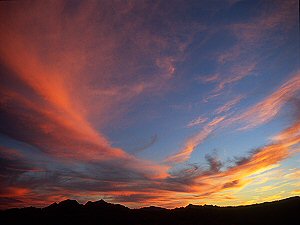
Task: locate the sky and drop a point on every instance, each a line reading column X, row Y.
column 163, row 103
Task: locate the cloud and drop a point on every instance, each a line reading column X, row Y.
column 209, row 79
column 194, row 141
column 244, row 57
column 147, row 145
column 258, row 114
column 63, row 88
column 30, row 183
column 68, row 61
column 216, row 121
column 231, row 184
column 269, row 108
column 235, row 74
column 228, row 105
column 167, row 64
column 58, row 74
column 216, row 180
column 67, row 74
column 117, row 182
column 282, row 16
column 53, row 88
column 214, row 164
column 197, row 121
column 241, row 174
column 296, row 192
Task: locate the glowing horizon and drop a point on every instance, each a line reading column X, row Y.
column 149, row 103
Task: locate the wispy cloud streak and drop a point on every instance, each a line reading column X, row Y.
column 267, row 109
column 71, row 72
column 256, row 115
column 194, row 141
column 228, row 105
column 198, row 121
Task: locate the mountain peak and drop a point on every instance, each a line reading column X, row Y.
column 68, row 202
column 100, row 202
column 153, row 208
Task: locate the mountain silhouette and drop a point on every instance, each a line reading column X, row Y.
column 282, row 212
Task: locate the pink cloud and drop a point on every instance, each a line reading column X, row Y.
column 194, row 141
column 267, row 109
column 198, row 121
column 228, row 105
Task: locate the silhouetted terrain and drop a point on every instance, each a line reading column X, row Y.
column 283, row 212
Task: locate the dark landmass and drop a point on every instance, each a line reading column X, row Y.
column 282, row 212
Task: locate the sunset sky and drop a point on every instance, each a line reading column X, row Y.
column 164, row 103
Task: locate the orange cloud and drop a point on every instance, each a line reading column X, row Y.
column 50, row 55
column 236, row 74
column 210, row 78
column 57, row 85
column 261, row 160
column 267, row 109
column 257, row 163
column 227, row 106
column 197, row 121
column 194, row 141
column 14, row 192
column 258, row 114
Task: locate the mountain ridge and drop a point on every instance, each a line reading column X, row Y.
column 102, row 202
column 284, row 211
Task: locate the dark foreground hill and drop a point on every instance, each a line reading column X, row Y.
column 283, row 212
